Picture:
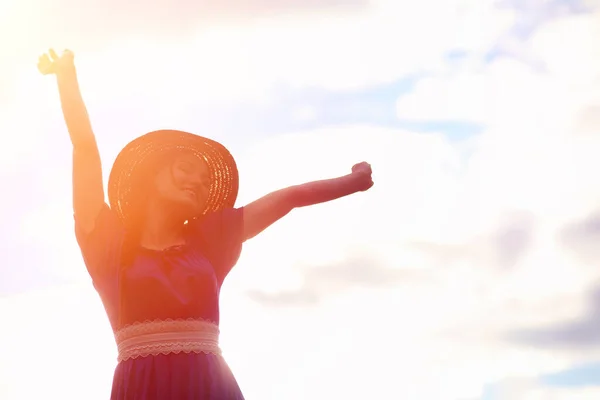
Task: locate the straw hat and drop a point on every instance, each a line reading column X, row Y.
column 142, row 154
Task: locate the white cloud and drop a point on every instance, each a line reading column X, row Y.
column 52, row 337
column 243, row 58
column 508, row 93
column 538, row 124
column 505, row 93
column 567, row 48
column 529, row 389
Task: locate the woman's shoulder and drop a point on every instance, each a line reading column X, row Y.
column 106, row 235
column 217, row 225
column 105, row 219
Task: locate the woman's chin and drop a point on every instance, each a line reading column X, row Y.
column 187, row 209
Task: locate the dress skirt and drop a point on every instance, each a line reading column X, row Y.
column 182, row 376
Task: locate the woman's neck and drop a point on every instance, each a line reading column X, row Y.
column 162, row 229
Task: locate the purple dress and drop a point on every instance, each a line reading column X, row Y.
column 175, row 284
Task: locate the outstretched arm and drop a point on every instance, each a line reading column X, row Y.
column 88, row 191
column 265, row 211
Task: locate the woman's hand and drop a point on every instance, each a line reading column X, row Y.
column 52, row 63
column 362, row 174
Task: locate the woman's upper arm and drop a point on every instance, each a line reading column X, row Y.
column 101, row 247
column 88, row 190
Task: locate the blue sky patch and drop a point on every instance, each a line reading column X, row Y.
column 583, row 375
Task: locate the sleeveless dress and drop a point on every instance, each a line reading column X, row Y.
column 178, row 284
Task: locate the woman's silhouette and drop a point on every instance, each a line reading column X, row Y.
column 159, row 253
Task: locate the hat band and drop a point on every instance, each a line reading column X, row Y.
column 157, row 337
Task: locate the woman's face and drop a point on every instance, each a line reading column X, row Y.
column 184, row 183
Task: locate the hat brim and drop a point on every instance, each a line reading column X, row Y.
column 133, row 160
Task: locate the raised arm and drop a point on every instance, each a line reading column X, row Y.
column 88, row 191
column 265, row 211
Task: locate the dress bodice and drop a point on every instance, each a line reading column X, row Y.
column 178, row 283
column 181, row 282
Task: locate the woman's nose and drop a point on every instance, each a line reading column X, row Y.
column 195, row 180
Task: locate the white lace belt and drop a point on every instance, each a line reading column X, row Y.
column 157, row 337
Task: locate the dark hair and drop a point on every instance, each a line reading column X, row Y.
column 142, row 185
column 135, row 221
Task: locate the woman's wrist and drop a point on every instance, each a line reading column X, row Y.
column 66, row 73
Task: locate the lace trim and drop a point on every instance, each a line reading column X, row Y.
column 143, row 339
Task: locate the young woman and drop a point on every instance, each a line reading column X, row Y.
column 159, row 253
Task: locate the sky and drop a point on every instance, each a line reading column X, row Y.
column 468, row 272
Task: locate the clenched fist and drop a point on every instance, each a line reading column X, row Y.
column 362, row 173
